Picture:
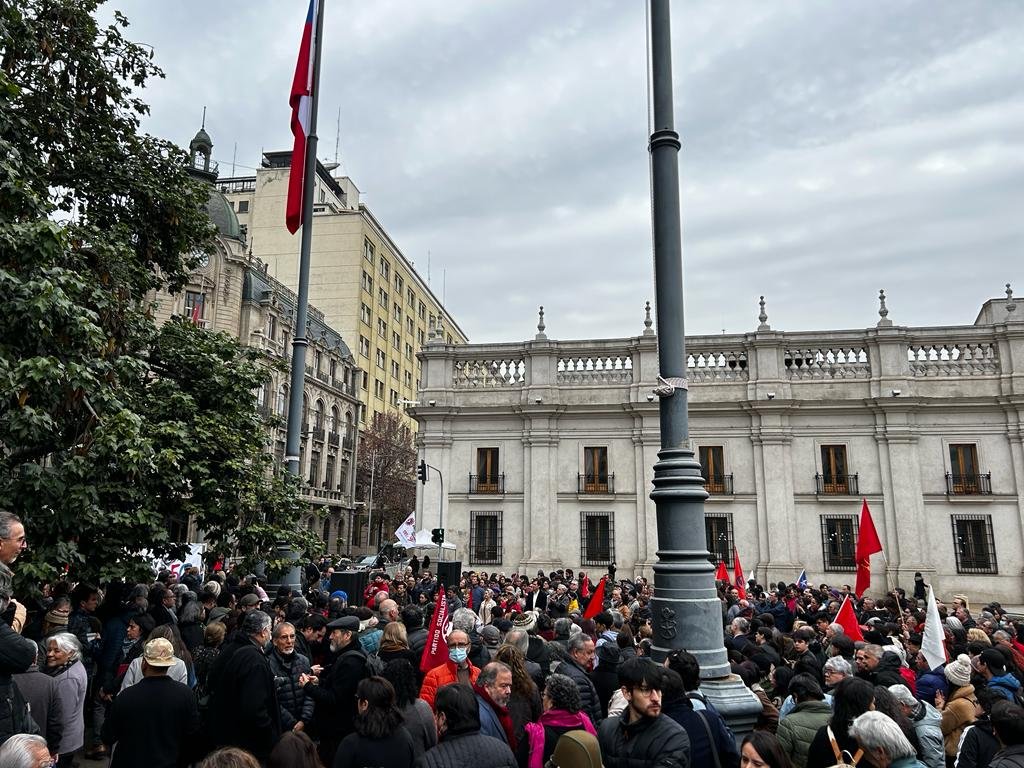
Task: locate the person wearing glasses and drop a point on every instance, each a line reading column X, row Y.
column 23, row 750
column 642, row 735
column 458, row 668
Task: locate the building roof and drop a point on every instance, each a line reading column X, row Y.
column 259, row 287
column 223, row 215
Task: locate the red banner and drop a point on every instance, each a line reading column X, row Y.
column 435, row 652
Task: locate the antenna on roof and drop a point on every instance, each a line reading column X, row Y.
column 428, row 268
column 337, row 136
column 233, row 156
column 203, row 126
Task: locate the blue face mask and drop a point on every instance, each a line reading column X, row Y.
column 458, row 655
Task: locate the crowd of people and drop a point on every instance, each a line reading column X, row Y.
column 214, row 671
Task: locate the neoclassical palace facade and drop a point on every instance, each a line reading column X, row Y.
column 546, row 449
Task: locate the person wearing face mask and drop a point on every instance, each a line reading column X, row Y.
column 461, row 742
column 334, row 693
column 243, row 710
column 458, row 668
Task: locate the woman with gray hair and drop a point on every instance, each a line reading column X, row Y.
column 883, row 742
column 562, row 713
column 23, row 750
column 64, row 664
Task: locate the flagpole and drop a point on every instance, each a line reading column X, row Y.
column 299, row 342
column 685, row 607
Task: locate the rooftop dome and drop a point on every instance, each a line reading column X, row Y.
column 223, row 215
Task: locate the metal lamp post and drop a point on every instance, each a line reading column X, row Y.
column 686, row 610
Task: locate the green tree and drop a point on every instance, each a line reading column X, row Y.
column 107, row 424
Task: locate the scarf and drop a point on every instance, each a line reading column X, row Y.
column 58, row 671
column 503, row 716
column 555, row 718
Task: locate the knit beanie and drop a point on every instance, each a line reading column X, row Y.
column 58, row 617
column 958, row 672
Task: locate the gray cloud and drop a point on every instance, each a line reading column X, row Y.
column 829, row 150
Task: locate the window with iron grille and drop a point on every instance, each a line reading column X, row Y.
column 485, row 538
column 597, row 538
column 718, row 530
column 974, row 544
column 839, row 542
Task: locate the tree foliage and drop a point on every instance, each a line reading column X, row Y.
column 110, row 426
column 387, row 443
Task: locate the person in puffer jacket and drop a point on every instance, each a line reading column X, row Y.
column 458, row 727
column 287, row 665
column 642, row 735
column 798, row 729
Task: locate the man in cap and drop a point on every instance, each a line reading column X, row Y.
column 249, row 603
column 154, row 722
column 335, row 693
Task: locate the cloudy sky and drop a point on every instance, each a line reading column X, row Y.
column 829, row 149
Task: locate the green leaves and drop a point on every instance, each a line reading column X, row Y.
column 114, row 433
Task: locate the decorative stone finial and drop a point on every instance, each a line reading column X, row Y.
column 648, row 323
column 440, row 327
column 430, row 329
column 1011, row 305
column 883, row 311
column 763, row 317
column 540, row 324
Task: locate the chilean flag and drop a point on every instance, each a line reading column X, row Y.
column 301, row 100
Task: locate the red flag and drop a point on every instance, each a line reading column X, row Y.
column 585, row 586
column 469, row 598
column 722, row 574
column 195, row 313
column 596, row 604
column 737, row 574
column 435, row 652
column 847, row 619
column 868, row 544
column 301, row 101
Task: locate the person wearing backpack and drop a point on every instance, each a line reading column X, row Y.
column 334, row 694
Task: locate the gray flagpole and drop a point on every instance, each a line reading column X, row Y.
column 299, row 342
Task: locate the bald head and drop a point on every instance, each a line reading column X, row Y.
column 388, row 610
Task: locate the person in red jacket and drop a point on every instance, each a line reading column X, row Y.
column 458, row 668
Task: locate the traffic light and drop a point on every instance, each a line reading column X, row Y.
column 421, row 471
column 437, row 535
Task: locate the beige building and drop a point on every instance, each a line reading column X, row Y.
column 547, row 449
column 366, row 288
column 233, row 292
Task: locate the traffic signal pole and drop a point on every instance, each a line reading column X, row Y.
column 421, row 472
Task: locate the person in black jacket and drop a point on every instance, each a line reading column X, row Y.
column 458, row 727
column 17, row 653
column 707, row 734
column 243, row 710
column 154, row 722
column 642, row 735
column 379, row 738
column 288, row 666
column 577, row 668
column 335, row 693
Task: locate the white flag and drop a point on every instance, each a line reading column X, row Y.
column 932, row 645
column 406, row 533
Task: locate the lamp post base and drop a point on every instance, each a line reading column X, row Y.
column 737, row 704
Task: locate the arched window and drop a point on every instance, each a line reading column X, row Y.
column 333, row 426
column 305, row 411
column 282, row 400
column 327, row 532
column 318, row 415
